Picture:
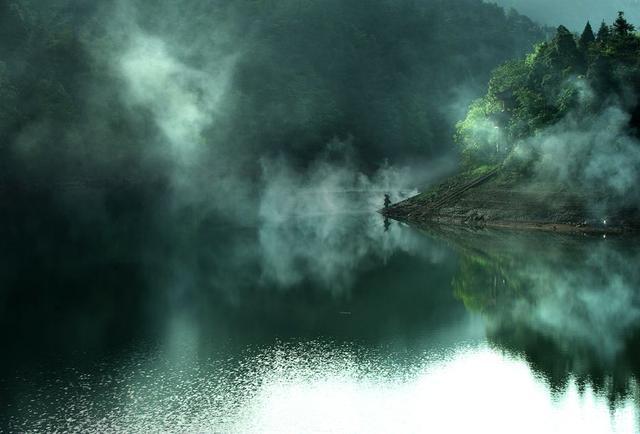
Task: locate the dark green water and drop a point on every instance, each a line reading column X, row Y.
column 327, row 323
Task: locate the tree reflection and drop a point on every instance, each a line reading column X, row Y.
column 570, row 305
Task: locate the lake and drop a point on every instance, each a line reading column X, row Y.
column 318, row 323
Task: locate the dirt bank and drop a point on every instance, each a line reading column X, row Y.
column 494, row 197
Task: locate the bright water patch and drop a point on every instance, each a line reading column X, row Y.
column 325, row 387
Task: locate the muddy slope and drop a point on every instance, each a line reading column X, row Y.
column 492, row 197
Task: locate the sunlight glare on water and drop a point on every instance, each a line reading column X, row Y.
column 471, row 390
column 319, row 387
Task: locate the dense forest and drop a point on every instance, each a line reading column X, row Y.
column 100, row 94
column 572, row 81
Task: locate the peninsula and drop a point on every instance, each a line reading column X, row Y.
column 554, row 144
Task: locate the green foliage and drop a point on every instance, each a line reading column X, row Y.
column 587, row 38
column 622, row 28
column 604, row 33
column 525, row 96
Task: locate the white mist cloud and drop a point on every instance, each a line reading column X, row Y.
column 588, row 153
column 317, row 223
column 183, row 100
column 332, row 251
column 327, row 189
column 321, row 224
column 186, row 98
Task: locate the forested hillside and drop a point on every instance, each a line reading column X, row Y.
column 383, row 78
column 573, row 81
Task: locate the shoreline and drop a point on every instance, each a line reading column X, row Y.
column 495, row 199
column 530, row 226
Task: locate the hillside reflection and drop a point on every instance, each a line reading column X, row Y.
column 569, row 304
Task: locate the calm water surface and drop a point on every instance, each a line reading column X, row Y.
column 325, row 323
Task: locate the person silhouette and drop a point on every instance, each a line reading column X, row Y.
column 387, row 201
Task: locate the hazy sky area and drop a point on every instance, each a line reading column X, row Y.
column 574, row 13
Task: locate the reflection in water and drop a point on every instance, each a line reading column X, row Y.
column 570, row 305
column 333, row 250
column 322, row 321
column 326, row 387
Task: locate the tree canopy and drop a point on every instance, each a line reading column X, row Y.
column 587, row 38
column 604, row 33
column 535, row 92
column 622, row 27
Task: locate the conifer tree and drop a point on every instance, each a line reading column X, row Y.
column 565, row 39
column 587, row 37
column 604, row 34
column 622, row 27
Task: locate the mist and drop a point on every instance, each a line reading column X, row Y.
column 188, row 202
column 591, row 152
column 597, row 153
column 250, row 140
column 205, row 99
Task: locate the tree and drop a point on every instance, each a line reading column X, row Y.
column 587, row 37
column 567, row 53
column 565, row 40
column 604, row 34
column 526, row 96
column 622, row 27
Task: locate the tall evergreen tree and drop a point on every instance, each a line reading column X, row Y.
column 566, row 48
column 604, row 33
column 622, row 27
column 587, row 37
column 565, row 40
